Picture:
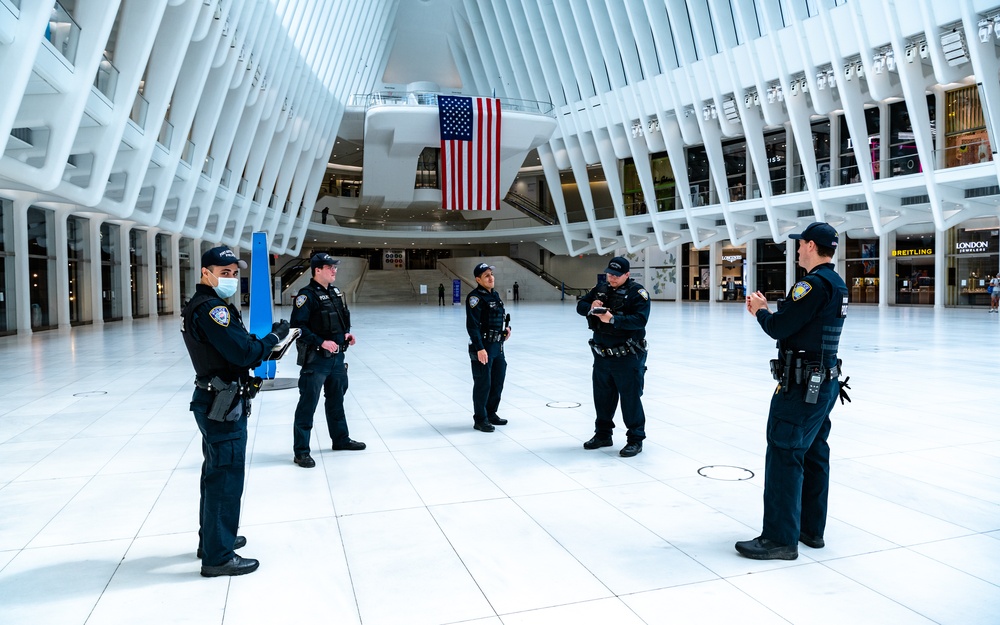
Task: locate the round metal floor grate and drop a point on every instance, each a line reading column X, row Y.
column 563, row 404
column 725, row 472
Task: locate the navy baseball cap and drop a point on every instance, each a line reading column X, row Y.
column 481, row 268
column 322, row 260
column 220, row 257
column 821, row 233
column 618, row 266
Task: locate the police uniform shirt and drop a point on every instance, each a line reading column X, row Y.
column 483, row 313
column 216, row 339
column 629, row 305
column 812, row 316
column 321, row 314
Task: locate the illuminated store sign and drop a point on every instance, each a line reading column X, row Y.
column 972, row 247
column 732, row 259
column 924, row 251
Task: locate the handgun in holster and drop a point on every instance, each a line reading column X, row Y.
column 225, row 396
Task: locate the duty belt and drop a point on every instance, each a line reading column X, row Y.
column 627, row 348
column 493, row 336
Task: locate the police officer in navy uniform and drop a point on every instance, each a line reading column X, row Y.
column 222, row 351
column 487, row 326
column 807, row 326
column 617, row 311
column 321, row 314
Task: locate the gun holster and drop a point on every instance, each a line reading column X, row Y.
column 226, row 395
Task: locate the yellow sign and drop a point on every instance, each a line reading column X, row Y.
column 917, row 252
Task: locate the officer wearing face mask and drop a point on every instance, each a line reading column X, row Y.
column 222, row 352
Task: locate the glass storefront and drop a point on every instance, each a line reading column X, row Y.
column 7, row 307
column 663, row 184
column 695, row 273
column 138, row 262
column 41, row 269
column 915, row 279
column 111, row 269
column 903, row 157
column 848, row 160
column 861, row 262
column 729, row 267
column 966, row 140
column 734, row 154
column 972, row 260
column 776, row 150
column 78, row 256
column 770, row 269
column 698, row 175
column 164, row 275
column 821, row 148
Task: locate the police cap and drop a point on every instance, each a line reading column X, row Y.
column 221, row 256
column 822, row 233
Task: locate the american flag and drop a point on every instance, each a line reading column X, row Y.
column 470, row 153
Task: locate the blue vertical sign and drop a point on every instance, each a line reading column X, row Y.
column 261, row 315
column 456, row 291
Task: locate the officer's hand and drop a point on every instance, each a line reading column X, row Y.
column 596, row 304
column 481, row 355
column 350, row 338
column 605, row 317
column 507, row 333
column 330, row 346
column 280, row 329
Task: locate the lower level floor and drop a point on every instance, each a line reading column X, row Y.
column 438, row 523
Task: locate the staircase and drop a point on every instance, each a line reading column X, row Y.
column 387, row 286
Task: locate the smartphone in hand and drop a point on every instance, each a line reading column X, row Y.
column 599, row 310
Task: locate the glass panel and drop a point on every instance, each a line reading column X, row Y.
column 821, row 148
column 138, row 261
column 7, row 303
column 166, row 133
column 734, row 154
column 770, row 268
column 139, row 109
column 698, row 175
column 776, row 150
column 63, row 32
column 107, row 77
column 111, row 267
column 164, row 275
column 78, row 255
column 41, row 265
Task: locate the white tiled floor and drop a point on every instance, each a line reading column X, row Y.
column 437, row 523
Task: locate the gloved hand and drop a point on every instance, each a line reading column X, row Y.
column 843, row 393
column 280, row 329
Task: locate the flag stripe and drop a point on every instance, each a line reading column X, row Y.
column 470, row 148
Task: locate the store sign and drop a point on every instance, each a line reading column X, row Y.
column 924, row 251
column 972, row 247
column 732, row 259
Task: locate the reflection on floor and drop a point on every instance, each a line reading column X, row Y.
column 438, row 523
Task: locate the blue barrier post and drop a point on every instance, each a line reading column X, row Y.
column 261, row 315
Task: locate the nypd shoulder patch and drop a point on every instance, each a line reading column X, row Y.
column 800, row 290
column 473, row 301
column 643, row 293
column 300, row 300
column 220, row 315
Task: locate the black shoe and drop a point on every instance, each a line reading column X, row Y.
column 766, row 549
column 484, row 426
column 495, row 420
column 816, row 542
column 631, row 449
column 598, row 441
column 241, row 541
column 350, row 446
column 236, row 566
column 305, row 461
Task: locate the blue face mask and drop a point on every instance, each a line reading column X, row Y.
column 226, row 287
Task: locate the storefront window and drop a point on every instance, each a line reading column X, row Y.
column 966, row 141
column 770, row 268
column 663, row 184
column 41, row 269
column 111, row 268
column 776, row 150
column 695, row 273
column 729, row 266
column 164, row 275
column 821, row 148
column 138, row 261
column 915, row 279
column 698, row 175
column 861, row 260
column 8, row 323
column 848, row 160
column 972, row 260
column 734, row 153
column 903, row 157
column 184, row 260
column 78, row 256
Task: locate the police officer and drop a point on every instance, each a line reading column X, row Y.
column 322, row 315
column 222, row 351
column 807, row 326
column 486, row 323
column 617, row 311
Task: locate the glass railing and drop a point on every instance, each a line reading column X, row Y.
column 227, row 175
column 207, row 167
column 905, row 165
column 166, row 133
column 965, row 154
column 424, row 98
column 140, row 107
column 188, row 154
column 106, row 79
column 63, row 32
column 241, row 188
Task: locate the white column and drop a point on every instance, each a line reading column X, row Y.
column 60, row 297
column 22, row 276
column 940, row 267
column 97, row 287
column 750, row 267
column 791, row 262
column 125, row 281
column 713, row 273
column 150, row 293
column 886, row 278
column 175, row 274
